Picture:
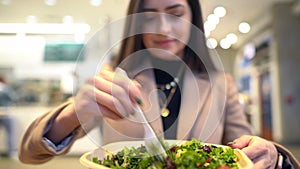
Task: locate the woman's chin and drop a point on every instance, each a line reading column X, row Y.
column 165, row 54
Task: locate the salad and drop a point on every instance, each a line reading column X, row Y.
column 190, row 154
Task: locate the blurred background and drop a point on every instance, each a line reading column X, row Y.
column 42, row 44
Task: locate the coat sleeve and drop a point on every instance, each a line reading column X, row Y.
column 33, row 149
column 289, row 160
column 236, row 123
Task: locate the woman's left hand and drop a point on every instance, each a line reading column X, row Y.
column 262, row 152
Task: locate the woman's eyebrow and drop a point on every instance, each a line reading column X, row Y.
column 149, row 10
column 167, row 8
column 173, row 6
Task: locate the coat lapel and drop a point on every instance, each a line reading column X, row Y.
column 208, row 115
column 194, row 96
column 195, row 101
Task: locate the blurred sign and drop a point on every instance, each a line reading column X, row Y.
column 68, row 52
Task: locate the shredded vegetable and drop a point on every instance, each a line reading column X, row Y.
column 189, row 155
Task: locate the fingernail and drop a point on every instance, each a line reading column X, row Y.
column 132, row 112
column 230, row 143
column 139, row 101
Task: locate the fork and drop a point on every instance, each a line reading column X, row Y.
column 152, row 143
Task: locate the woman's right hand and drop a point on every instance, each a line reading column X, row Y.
column 110, row 93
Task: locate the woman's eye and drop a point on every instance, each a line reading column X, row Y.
column 178, row 14
column 174, row 16
column 179, row 11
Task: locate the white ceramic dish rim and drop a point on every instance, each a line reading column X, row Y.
column 86, row 159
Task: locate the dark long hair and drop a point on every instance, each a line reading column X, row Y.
column 196, row 44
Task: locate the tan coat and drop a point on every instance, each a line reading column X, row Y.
column 208, row 112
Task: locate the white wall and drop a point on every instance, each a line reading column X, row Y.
column 25, row 56
column 284, row 67
column 286, row 31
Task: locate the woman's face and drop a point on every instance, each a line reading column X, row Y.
column 166, row 26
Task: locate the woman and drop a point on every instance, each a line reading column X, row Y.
column 161, row 52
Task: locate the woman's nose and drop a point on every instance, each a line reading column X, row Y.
column 164, row 25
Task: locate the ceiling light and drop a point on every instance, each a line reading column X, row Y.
column 244, row 27
column 95, row 2
column 220, row 11
column 31, row 19
column 50, row 2
column 68, row 19
column 207, row 33
column 209, row 26
column 232, row 38
column 211, row 43
column 225, row 44
column 213, row 19
column 10, row 28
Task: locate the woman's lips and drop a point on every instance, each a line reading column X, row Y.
column 165, row 42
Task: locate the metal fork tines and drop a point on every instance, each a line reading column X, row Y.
column 152, row 143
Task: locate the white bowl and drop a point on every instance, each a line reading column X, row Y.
column 86, row 159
